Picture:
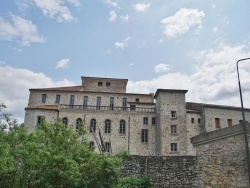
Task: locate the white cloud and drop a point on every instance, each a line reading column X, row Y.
column 63, row 63
column 141, row 7
column 162, row 68
column 57, row 9
column 21, row 30
column 123, row 44
column 213, row 5
column 112, row 16
column 131, row 64
column 215, row 29
column 214, row 78
column 15, row 84
column 182, row 21
column 112, row 3
column 124, row 17
column 2, row 62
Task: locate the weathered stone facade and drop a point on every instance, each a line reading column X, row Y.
column 222, row 156
column 165, row 171
column 160, row 124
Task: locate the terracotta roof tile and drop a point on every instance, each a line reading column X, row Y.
column 43, row 107
column 70, row 88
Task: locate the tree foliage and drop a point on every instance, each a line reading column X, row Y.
column 53, row 156
column 133, row 182
column 6, row 119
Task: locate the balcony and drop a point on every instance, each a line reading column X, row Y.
column 107, row 108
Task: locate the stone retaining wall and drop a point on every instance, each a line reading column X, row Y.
column 165, row 171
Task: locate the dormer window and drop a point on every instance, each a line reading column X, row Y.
column 99, row 83
column 137, row 100
column 107, row 84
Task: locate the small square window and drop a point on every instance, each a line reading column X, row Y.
column 44, row 96
column 107, row 84
column 99, row 83
column 132, row 107
column 91, row 144
column 217, row 123
column 174, row 129
column 192, row 120
column 153, row 121
column 144, row 135
column 240, row 121
column 145, row 120
column 137, row 100
column 107, row 146
column 173, row 114
column 174, row 147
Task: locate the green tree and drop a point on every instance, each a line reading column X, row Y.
column 53, row 156
column 6, row 119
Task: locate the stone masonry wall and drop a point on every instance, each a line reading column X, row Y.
column 168, row 171
column 223, row 158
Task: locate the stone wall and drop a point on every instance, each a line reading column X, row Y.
column 222, row 156
column 168, row 171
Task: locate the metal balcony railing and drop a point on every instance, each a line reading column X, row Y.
column 107, row 108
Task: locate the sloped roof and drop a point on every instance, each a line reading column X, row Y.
column 70, row 88
column 43, row 107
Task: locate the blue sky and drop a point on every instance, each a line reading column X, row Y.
column 186, row 44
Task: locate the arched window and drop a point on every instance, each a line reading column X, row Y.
column 78, row 123
column 65, row 121
column 122, row 127
column 107, row 126
column 92, row 125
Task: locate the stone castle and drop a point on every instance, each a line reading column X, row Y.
column 160, row 124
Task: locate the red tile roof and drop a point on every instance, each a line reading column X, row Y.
column 43, row 107
column 70, row 88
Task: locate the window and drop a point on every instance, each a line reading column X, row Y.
column 145, row 120
column 107, row 146
column 92, row 125
column 122, row 127
column 132, row 107
column 229, row 122
column 217, row 123
column 99, row 84
column 65, row 121
column 174, row 147
column 72, row 101
column 98, row 103
column 107, row 126
column 153, row 120
column 40, row 120
column 58, row 99
column 85, row 102
column 199, row 121
column 137, row 100
column 173, row 114
column 107, row 84
column 144, row 135
column 124, row 103
column 44, row 98
column 111, row 105
column 91, row 144
column 173, row 128
column 240, row 121
column 192, row 120
column 78, row 123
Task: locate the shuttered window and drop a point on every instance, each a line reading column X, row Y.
column 217, row 123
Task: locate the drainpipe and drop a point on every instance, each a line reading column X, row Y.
column 128, row 132
column 203, row 120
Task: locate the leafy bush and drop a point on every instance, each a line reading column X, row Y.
column 53, row 156
column 133, row 182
